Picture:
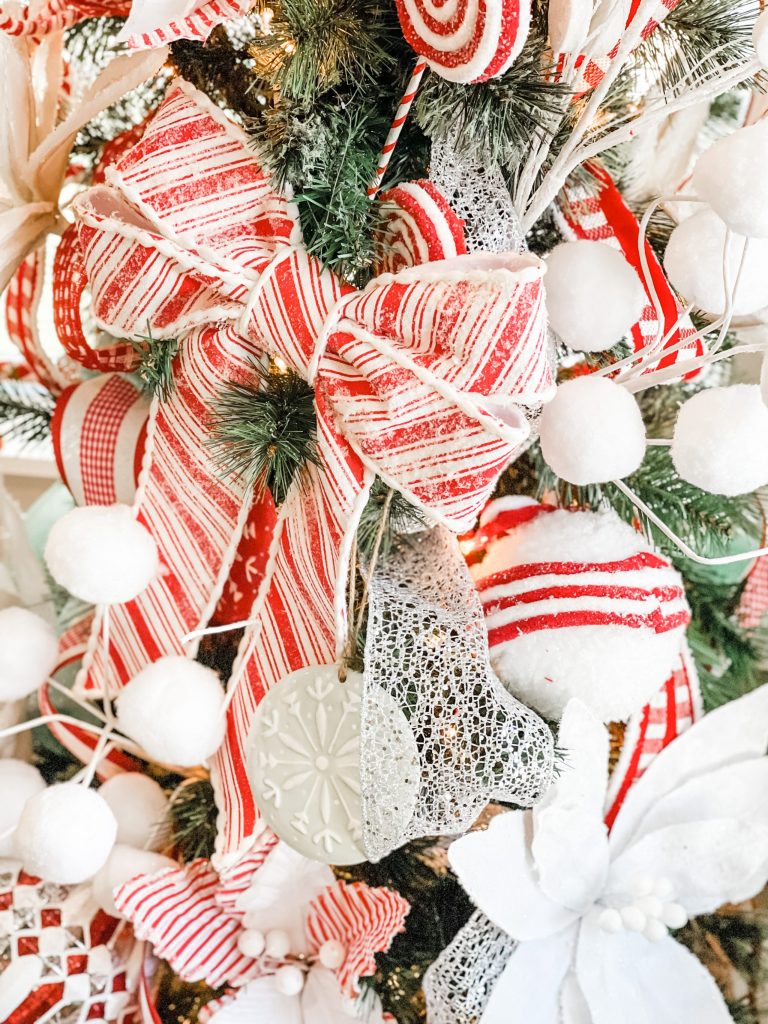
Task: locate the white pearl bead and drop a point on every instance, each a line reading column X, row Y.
column 331, row 954
column 674, row 915
column 651, row 906
column 289, row 980
column 654, row 930
column 251, row 943
column 610, row 920
column 277, row 943
column 634, row 919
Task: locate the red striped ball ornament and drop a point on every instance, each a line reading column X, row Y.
column 576, row 605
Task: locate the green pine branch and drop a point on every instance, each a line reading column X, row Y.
column 25, row 411
column 155, row 369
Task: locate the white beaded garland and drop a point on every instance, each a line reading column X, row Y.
column 102, row 554
column 28, row 652
column 592, row 431
column 139, row 804
column 172, row 709
column 19, row 782
column 65, row 833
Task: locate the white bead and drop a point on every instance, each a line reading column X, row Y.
column 331, row 954
column 674, row 915
column 610, row 920
column 289, row 980
column 251, row 943
column 277, row 943
column 664, row 889
column 102, row 554
column 28, row 652
column 651, row 906
column 634, row 919
column 642, row 885
column 654, row 931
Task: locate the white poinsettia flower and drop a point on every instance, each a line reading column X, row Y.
column 591, row 912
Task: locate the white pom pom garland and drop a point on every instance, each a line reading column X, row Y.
column 592, row 431
column 593, row 295
column 694, row 260
column 731, row 177
column 720, row 442
column 65, row 834
column 172, row 709
column 578, row 606
column 140, row 806
column 19, row 782
column 123, row 864
column 28, row 651
column 102, row 554
column 277, row 943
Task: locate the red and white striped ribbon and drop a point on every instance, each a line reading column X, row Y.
column 417, row 378
column 674, row 709
column 605, row 217
column 197, row 24
column 55, row 15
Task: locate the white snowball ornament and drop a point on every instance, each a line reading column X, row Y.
column 140, row 806
column 577, row 605
column 102, row 554
column 720, row 441
column 19, row 782
column 65, row 833
column 760, row 38
column 593, row 295
column 173, row 709
column 28, row 652
column 731, row 177
column 123, row 864
column 694, row 260
column 592, row 431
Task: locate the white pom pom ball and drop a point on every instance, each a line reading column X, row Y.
column 592, row 431
column 172, row 709
column 28, row 651
column 65, row 834
column 693, row 261
column 577, row 605
column 123, row 864
column 101, row 554
column 251, row 943
column 731, row 177
column 289, row 980
column 140, row 806
column 19, row 782
column 760, row 38
column 720, row 442
column 594, row 297
column 331, row 954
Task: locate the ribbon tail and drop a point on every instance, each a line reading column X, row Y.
column 195, row 515
column 299, row 613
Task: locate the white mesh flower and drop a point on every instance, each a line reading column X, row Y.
column 591, row 913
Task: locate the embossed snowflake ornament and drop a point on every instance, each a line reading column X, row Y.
column 304, row 762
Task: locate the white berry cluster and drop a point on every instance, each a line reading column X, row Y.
column 290, row 968
column 650, row 910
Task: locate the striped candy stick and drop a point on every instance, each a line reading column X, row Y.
column 397, row 125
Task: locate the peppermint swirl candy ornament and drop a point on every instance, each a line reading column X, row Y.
column 420, row 228
column 466, row 40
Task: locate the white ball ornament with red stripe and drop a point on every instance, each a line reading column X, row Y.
column 576, row 605
column 466, row 40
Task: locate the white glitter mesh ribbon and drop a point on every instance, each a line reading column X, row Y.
column 459, row 983
column 427, row 652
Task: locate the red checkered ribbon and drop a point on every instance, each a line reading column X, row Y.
column 605, row 217
column 417, row 379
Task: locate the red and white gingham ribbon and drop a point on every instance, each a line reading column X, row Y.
column 416, row 377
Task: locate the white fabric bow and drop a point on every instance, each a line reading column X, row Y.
column 590, row 912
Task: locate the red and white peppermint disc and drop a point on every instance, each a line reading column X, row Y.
column 466, row 40
column 421, row 227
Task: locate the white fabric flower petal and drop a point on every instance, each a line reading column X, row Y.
column 495, row 868
column 260, row 1000
column 735, row 732
column 570, row 845
column 323, row 1002
column 626, row 978
column 149, row 15
column 528, row 992
column 736, row 791
column 708, row 862
column 573, row 1005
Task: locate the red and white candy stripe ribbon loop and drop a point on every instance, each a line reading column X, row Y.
column 417, row 379
column 182, row 19
column 55, row 15
column 605, row 217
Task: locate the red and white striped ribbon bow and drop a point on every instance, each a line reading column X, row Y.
column 605, row 217
column 418, row 378
column 151, row 24
column 55, row 15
